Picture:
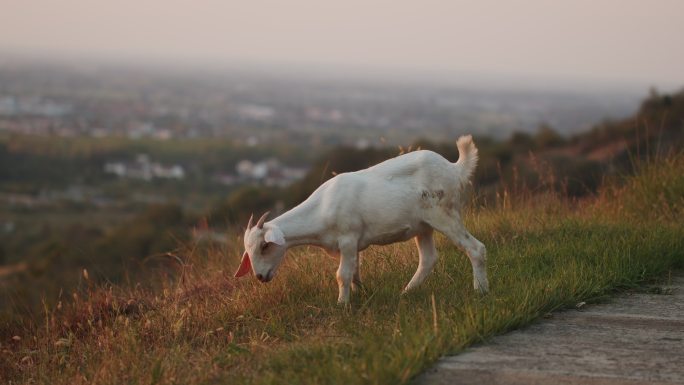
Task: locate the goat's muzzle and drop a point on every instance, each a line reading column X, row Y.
column 265, row 278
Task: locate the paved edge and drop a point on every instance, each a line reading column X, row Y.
column 636, row 338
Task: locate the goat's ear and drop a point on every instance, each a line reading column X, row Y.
column 245, row 266
column 275, row 235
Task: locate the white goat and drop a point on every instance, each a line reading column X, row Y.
column 401, row 198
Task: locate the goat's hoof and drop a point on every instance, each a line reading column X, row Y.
column 481, row 287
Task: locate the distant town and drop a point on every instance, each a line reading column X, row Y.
column 270, row 172
column 252, row 109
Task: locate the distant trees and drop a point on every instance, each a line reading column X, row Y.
column 547, row 137
column 105, row 252
column 158, row 229
column 242, row 202
column 521, row 142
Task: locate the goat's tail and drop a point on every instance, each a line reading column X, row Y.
column 467, row 157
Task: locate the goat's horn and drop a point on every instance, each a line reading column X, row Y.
column 260, row 222
column 249, row 224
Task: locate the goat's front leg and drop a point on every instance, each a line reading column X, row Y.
column 356, row 280
column 349, row 261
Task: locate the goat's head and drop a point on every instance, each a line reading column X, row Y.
column 264, row 250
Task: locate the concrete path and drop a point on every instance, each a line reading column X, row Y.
column 633, row 339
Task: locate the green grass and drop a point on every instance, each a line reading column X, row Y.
column 205, row 327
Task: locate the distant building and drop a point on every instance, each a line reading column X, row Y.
column 143, row 168
column 255, row 112
column 10, row 106
column 268, row 172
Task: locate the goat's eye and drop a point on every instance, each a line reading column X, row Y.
column 264, row 246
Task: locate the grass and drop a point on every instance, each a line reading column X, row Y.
column 205, row 327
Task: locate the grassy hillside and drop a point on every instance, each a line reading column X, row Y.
column 200, row 325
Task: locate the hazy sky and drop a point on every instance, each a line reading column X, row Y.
column 616, row 41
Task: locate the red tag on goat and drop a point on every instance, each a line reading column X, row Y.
column 245, row 266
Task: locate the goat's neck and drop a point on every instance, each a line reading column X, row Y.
column 299, row 226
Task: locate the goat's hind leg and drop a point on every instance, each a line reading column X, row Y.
column 427, row 255
column 477, row 253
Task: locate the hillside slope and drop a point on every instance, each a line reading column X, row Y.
column 203, row 326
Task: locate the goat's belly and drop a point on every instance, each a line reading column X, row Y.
column 401, row 234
